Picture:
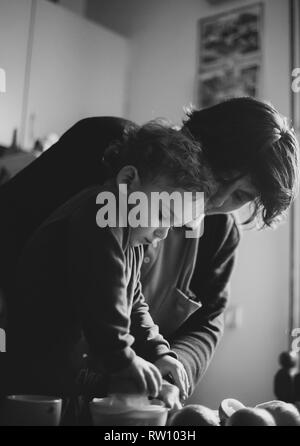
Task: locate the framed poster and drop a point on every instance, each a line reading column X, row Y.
column 230, row 53
column 229, row 81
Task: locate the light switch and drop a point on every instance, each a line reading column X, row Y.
column 2, row 341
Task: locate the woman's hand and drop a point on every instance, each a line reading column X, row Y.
column 140, row 376
column 171, row 366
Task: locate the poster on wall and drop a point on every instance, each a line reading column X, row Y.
column 230, row 53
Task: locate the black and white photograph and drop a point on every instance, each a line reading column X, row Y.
column 237, row 33
column 230, row 55
column 227, row 82
column 150, row 216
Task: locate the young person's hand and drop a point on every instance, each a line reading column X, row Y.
column 171, row 366
column 169, row 394
column 140, row 376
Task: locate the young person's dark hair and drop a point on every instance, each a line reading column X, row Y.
column 156, row 149
column 244, row 136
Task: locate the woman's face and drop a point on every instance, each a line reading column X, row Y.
column 231, row 197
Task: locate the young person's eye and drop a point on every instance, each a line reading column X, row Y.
column 238, row 196
column 242, row 196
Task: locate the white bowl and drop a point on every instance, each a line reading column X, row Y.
column 104, row 413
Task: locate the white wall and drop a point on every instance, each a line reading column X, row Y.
column 78, row 69
column 14, row 29
column 246, row 361
column 122, row 16
column 165, row 54
column 162, row 81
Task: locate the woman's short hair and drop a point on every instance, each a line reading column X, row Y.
column 249, row 137
column 156, row 149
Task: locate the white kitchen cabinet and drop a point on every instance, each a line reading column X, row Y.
column 14, row 35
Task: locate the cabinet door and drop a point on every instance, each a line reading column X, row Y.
column 78, row 69
column 14, row 35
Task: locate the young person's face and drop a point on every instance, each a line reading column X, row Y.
column 167, row 218
column 231, row 197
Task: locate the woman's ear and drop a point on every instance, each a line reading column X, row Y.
column 129, row 175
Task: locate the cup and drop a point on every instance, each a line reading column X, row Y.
column 31, row 410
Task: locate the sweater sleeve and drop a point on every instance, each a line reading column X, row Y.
column 97, row 277
column 196, row 340
column 149, row 343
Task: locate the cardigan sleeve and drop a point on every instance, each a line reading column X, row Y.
column 149, row 343
column 196, row 340
column 97, row 277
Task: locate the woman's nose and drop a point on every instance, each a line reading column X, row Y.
column 161, row 233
